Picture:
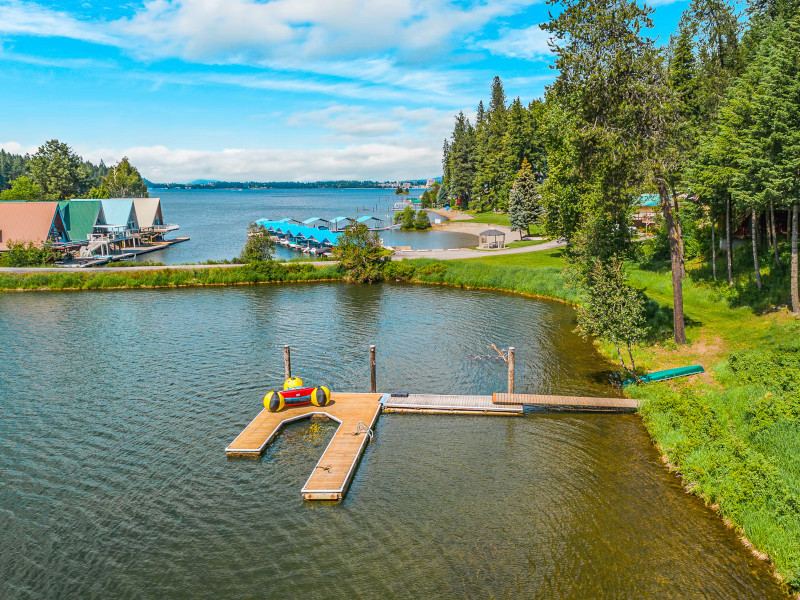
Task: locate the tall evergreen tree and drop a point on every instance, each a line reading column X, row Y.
column 443, row 194
column 462, row 162
column 777, row 118
column 524, row 200
column 515, row 143
column 490, row 170
column 612, row 84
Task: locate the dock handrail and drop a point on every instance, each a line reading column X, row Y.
column 364, row 428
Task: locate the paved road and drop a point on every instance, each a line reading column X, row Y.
column 461, row 253
column 452, row 254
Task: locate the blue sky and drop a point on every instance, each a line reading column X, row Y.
column 277, row 90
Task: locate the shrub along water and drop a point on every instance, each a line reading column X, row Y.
column 738, row 447
column 262, row 272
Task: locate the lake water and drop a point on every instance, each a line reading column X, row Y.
column 216, row 220
column 117, row 407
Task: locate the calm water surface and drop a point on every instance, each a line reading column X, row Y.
column 117, row 407
column 216, row 220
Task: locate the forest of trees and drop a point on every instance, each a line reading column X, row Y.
column 481, row 161
column 710, row 122
column 56, row 172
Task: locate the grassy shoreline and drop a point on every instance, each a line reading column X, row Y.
column 732, row 435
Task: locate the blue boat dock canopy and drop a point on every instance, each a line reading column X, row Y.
column 370, row 222
column 317, row 222
column 300, row 232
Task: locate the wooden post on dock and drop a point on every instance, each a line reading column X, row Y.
column 511, row 370
column 287, row 362
column 372, row 380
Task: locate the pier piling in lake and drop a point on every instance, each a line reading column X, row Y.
column 511, row 370
column 373, row 385
column 287, row 362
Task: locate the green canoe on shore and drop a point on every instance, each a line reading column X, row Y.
column 667, row 374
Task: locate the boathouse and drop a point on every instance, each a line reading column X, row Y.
column 36, row 222
column 340, row 223
column 80, row 218
column 371, row 222
column 317, row 223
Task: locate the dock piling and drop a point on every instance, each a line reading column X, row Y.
column 372, row 379
column 287, row 362
column 511, row 370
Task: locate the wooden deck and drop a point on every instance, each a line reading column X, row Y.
column 566, row 402
column 335, row 469
column 433, row 403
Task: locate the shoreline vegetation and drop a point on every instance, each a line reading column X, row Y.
column 729, row 434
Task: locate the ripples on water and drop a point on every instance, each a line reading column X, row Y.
column 117, row 407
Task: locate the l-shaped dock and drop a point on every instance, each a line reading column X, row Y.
column 357, row 415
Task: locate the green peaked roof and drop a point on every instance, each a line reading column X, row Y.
column 649, row 200
column 80, row 218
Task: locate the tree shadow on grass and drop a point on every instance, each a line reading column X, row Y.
column 660, row 320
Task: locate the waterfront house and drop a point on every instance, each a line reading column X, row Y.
column 646, row 210
column 118, row 226
column 80, row 218
column 36, row 222
column 150, row 219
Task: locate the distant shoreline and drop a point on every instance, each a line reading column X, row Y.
column 282, row 185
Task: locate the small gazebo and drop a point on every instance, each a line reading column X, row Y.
column 491, row 238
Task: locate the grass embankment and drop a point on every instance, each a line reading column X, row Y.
column 93, row 280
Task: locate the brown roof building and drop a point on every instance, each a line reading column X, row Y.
column 35, row 222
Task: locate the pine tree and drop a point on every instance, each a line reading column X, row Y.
column 443, row 194
column 524, row 200
column 490, row 169
column 777, row 118
column 462, row 162
column 515, row 144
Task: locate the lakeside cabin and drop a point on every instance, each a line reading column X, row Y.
column 36, row 222
column 645, row 215
column 85, row 226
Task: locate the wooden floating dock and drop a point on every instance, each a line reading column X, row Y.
column 356, row 415
column 444, row 404
column 566, row 402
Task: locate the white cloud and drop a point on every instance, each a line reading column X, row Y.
column 246, row 31
column 529, row 43
column 345, row 122
column 364, row 161
column 17, row 148
column 27, row 18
